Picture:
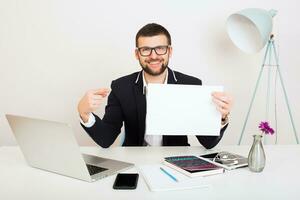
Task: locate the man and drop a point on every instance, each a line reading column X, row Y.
column 127, row 101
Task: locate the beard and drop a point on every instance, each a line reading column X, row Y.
column 149, row 71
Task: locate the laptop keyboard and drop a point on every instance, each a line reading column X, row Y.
column 94, row 169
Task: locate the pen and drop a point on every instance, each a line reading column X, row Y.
column 167, row 173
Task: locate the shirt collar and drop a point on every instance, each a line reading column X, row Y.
column 145, row 83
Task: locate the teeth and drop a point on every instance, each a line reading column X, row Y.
column 157, row 62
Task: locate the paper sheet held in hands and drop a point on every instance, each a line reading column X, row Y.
column 174, row 109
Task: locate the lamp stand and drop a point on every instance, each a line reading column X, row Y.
column 269, row 49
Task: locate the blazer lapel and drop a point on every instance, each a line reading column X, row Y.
column 140, row 99
column 171, row 77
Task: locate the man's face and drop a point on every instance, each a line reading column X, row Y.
column 153, row 61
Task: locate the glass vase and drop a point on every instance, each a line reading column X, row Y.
column 257, row 157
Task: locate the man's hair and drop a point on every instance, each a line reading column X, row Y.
column 150, row 30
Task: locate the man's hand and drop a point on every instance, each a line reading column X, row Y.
column 223, row 101
column 90, row 102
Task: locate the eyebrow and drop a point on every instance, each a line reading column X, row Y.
column 153, row 47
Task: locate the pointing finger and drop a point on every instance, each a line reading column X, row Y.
column 102, row 91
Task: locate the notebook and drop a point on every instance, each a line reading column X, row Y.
column 192, row 166
column 159, row 181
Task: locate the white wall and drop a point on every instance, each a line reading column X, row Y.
column 51, row 52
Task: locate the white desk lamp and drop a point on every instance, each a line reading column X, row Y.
column 250, row 30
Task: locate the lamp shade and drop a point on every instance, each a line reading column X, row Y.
column 250, row 29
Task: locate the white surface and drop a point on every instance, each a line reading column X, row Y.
column 175, row 109
column 279, row 180
column 52, row 52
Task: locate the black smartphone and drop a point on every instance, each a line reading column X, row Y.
column 126, row 181
column 211, row 156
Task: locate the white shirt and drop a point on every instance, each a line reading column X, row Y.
column 153, row 140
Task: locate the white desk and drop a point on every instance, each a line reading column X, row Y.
column 279, row 180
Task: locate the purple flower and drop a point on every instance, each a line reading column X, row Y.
column 265, row 128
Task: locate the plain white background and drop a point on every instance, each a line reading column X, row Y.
column 51, row 52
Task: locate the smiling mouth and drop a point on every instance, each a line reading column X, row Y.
column 154, row 63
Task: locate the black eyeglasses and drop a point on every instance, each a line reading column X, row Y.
column 159, row 50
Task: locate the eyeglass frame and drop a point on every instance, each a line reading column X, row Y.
column 153, row 48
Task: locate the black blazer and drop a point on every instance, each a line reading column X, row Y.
column 127, row 103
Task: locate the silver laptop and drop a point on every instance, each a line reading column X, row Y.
column 52, row 146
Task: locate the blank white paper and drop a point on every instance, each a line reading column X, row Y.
column 174, row 109
column 158, row 181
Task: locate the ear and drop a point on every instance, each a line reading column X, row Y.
column 136, row 54
column 170, row 51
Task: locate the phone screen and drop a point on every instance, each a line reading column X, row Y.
column 126, row 181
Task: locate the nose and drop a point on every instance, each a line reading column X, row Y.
column 153, row 54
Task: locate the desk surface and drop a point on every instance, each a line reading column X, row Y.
column 280, row 178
